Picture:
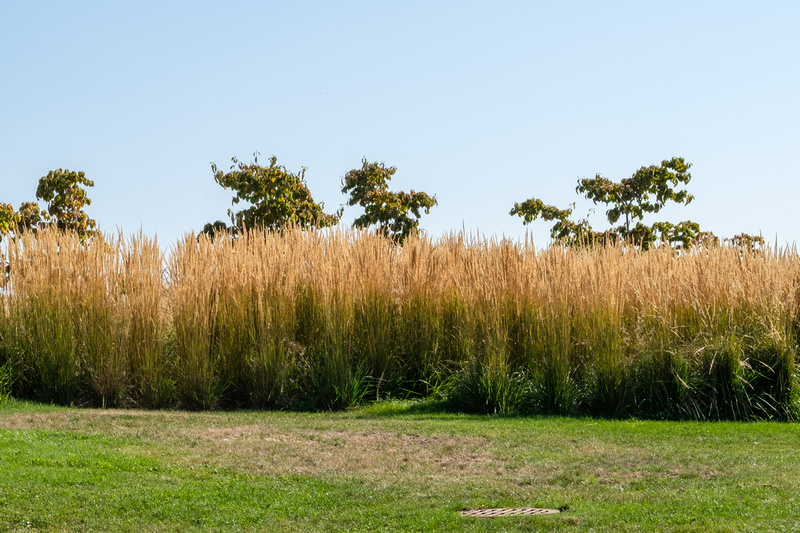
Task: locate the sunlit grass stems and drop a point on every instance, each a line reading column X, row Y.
column 82, row 321
column 327, row 319
column 234, row 322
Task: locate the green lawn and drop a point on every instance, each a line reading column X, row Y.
column 388, row 467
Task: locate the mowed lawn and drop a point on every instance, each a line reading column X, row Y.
column 390, row 466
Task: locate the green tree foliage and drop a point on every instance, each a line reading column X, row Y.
column 30, row 216
column 389, row 211
column 564, row 229
column 647, row 191
column 278, row 198
column 747, row 244
column 66, row 197
column 8, row 219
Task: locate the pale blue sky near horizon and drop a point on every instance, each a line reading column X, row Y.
column 481, row 103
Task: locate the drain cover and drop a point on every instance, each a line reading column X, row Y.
column 507, row 511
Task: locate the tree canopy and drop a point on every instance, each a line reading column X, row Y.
column 8, row 219
column 390, row 211
column 646, row 191
column 65, row 194
column 278, row 198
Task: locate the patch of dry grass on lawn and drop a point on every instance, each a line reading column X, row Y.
column 613, row 475
column 381, row 450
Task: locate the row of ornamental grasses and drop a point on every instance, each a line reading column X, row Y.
column 328, row 319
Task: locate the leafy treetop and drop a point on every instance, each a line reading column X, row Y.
column 8, row 219
column 66, row 197
column 389, row 211
column 277, row 198
column 647, row 191
column 30, row 216
column 564, row 229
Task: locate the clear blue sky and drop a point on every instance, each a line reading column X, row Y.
column 481, row 103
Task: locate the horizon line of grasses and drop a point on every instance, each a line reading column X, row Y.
column 328, row 319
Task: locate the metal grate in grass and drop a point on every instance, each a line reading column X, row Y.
column 507, row 511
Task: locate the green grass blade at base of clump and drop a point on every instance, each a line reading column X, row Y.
column 482, row 389
column 6, row 381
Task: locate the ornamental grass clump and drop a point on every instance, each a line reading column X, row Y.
column 76, row 324
column 326, row 319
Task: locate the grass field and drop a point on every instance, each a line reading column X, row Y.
column 389, row 466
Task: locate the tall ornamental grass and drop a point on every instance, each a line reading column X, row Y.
column 83, row 323
column 327, row 319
